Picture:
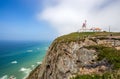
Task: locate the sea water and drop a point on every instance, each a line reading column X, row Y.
column 19, row 58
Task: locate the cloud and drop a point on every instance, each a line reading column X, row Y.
column 68, row 15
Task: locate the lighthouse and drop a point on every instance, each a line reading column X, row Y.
column 85, row 29
column 84, row 26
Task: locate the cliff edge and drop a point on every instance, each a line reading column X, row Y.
column 79, row 54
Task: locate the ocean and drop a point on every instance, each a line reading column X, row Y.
column 18, row 58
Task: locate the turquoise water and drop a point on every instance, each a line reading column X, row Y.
column 18, row 58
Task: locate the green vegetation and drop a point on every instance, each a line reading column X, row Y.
column 109, row 53
column 113, row 57
column 76, row 36
column 113, row 75
column 116, row 34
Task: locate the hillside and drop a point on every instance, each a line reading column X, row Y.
column 87, row 55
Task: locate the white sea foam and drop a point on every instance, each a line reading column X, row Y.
column 32, row 66
column 14, row 62
column 12, row 77
column 26, row 71
column 4, row 77
column 22, row 69
column 29, row 50
column 39, row 62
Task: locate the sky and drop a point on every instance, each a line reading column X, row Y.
column 48, row 19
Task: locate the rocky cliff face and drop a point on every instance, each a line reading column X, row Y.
column 66, row 59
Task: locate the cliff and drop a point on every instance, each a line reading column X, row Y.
column 78, row 54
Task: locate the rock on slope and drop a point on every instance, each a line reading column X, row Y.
column 66, row 59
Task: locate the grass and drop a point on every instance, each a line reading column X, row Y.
column 116, row 34
column 76, row 36
column 113, row 75
column 109, row 53
column 113, row 57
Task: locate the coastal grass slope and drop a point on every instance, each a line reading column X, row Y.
column 78, row 36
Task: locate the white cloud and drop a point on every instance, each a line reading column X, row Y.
column 68, row 15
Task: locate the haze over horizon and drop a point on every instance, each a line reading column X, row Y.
column 47, row 19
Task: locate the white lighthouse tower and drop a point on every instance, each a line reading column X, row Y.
column 83, row 29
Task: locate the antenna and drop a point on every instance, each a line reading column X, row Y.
column 109, row 29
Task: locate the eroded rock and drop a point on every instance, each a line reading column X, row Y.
column 64, row 60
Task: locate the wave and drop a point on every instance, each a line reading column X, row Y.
column 26, row 71
column 6, row 77
column 32, row 66
column 14, row 62
column 29, row 50
column 39, row 62
column 12, row 77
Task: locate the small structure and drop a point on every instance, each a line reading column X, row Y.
column 96, row 29
column 85, row 29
